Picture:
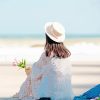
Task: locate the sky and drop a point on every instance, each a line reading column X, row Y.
column 30, row 16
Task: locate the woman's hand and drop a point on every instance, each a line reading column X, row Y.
column 28, row 70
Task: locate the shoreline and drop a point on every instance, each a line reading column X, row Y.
column 41, row 42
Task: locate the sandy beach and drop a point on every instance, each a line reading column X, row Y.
column 34, row 42
column 85, row 64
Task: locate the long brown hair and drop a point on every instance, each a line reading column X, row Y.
column 58, row 49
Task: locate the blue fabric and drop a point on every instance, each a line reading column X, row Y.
column 80, row 98
column 92, row 93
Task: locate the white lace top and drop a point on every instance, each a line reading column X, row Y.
column 50, row 77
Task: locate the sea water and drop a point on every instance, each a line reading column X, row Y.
column 42, row 35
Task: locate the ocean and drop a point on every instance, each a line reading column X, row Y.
column 42, row 36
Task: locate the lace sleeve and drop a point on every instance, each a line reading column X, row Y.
column 26, row 88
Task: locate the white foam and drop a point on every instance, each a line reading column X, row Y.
column 84, row 52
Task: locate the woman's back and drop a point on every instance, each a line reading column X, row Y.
column 56, row 81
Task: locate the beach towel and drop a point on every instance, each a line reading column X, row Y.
column 90, row 94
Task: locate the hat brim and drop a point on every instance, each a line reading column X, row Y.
column 59, row 39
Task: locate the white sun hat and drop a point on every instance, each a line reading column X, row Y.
column 55, row 31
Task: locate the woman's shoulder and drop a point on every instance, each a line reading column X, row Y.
column 61, row 65
column 61, row 62
column 43, row 60
column 55, row 59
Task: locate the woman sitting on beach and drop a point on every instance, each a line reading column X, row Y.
column 50, row 78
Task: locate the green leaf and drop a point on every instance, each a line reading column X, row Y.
column 22, row 63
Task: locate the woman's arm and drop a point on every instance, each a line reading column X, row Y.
column 37, row 74
column 26, row 88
